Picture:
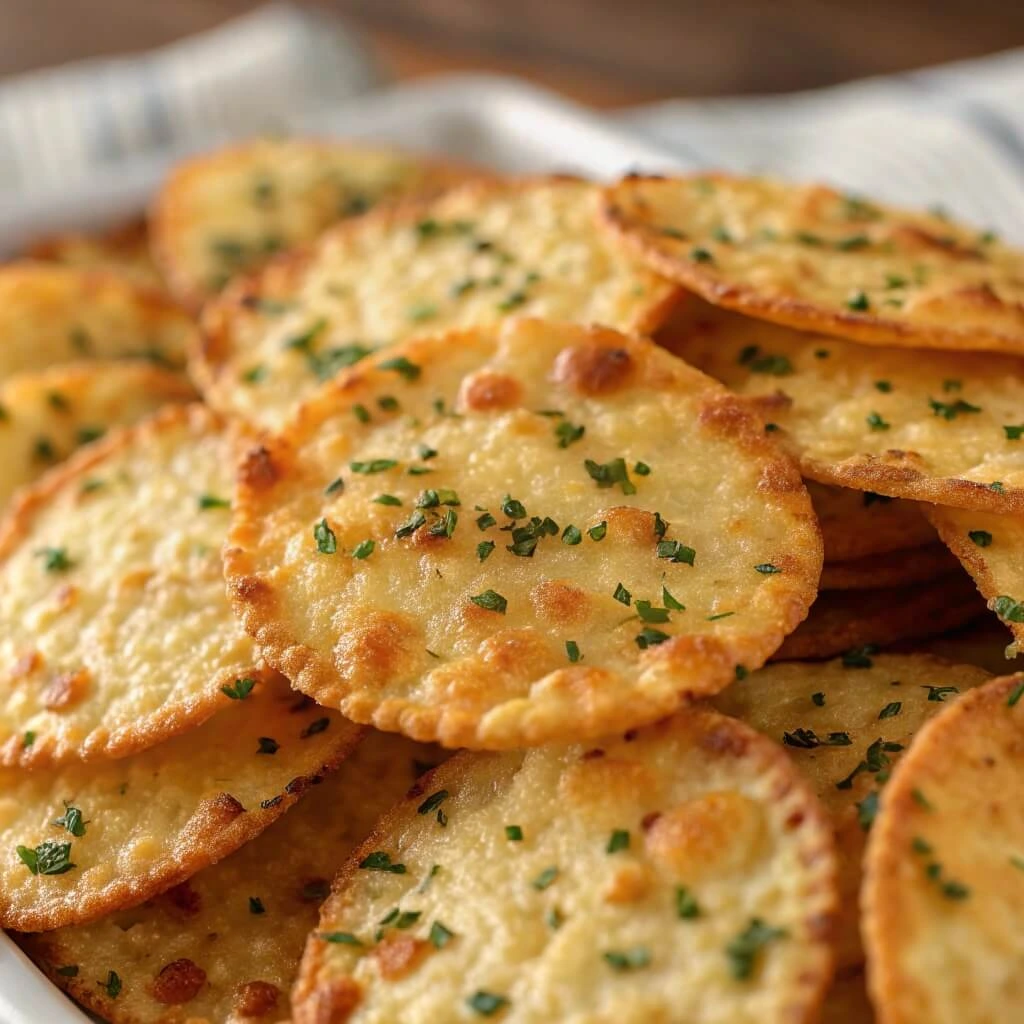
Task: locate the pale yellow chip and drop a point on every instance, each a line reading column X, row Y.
column 489, row 538
column 991, row 549
column 57, row 314
column 842, row 619
column 468, row 259
column 945, row 427
column 892, row 569
column 145, row 823
column 229, row 211
column 225, row 945
column 858, row 524
column 682, row 872
column 46, row 416
column 115, row 630
column 844, row 723
column 944, row 889
column 813, row 258
column 124, row 250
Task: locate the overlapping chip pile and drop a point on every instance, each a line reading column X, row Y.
column 667, row 503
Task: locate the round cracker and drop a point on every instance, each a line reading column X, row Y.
column 116, row 630
column 858, row 524
column 150, row 821
column 843, row 619
column 630, row 896
column 46, row 416
column 124, row 249
column 56, row 314
column 844, row 723
column 943, row 427
column 809, row 257
column 991, row 549
column 944, row 890
column 530, row 638
column 467, row 259
column 893, row 569
column 229, row 211
column 225, row 945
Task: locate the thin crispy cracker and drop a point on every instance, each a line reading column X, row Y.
column 858, row 524
column 892, row 569
column 151, row 821
column 229, row 211
column 46, row 416
column 813, row 258
column 470, row 258
column 936, row 426
column 613, row 883
column 116, row 631
column 944, row 890
column 57, row 314
column 225, row 945
column 841, row 619
column 991, row 549
column 833, row 719
column 396, row 614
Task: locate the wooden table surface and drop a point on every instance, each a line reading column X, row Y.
column 603, row 52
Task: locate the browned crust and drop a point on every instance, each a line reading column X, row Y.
column 128, row 239
column 842, row 619
column 173, row 717
column 212, row 345
column 896, row 998
column 793, row 805
column 891, row 569
column 165, row 210
column 867, row 328
column 696, row 666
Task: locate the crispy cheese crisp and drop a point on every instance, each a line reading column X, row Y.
column 844, row 723
column 225, row 944
column 115, row 630
column 859, row 524
column 944, row 427
column 89, row 839
column 513, row 536
column 892, row 569
column 843, row 619
column 944, row 889
column 683, row 871
column 470, row 258
column 991, row 549
column 59, row 314
column 229, row 211
column 46, row 416
column 124, row 249
column 812, row 258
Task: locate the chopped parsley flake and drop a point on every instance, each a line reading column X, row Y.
column 256, row 905
column 649, row 637
column 387, row 499
column 767, row 569
column 55, row 559
column 363, row 549
column 571, row 535
column 622, row 595
column 867, row 811
column 1015, row 695
column 891, row 710
column 1008, row 609
column 598, row 532
column 486, row 521
column 921, row 800
column 980, row 537
column 490, row 601
column 439, row 935
column 937, row 694
column 545, row 878
column 326, row 541
column 340, row 938
column 743, row 950
column 859, row 657
column 818, row 699
column 381, row 861
column 433, row 802
column 572, row 651
column 361, row 413
column 648, row 613
column 316, row 726
column 112, row 984
column 336, row 486
column 267, row 745
column 483, row 549
column 411, row 525
column 513, row 833
column 858, row 302
column 373, row 465
column 487, row 1004
column 68, row 971
column 567, row 433
column 884, row 386
column 674, row 551
column 876, row 422
column 619, row 840
column 875, row 762
column 608, row 474
column 512, row 508
column 48, row 858
column 670, row 602
column 807, row 739
column 401, row 365
column 239, row 689
column 700, row 255
column 628, row 959
column 950, row 410
column 687, row 907
column 71, row 821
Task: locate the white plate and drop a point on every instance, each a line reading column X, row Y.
column 495, row 121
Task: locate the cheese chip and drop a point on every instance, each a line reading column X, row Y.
column 124, row 250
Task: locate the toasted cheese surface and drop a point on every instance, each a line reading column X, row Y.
column 944, row 892
column 148, row 822
column 991, row 548
column 116, row 630
column 225, row 944
column 46, row 416
column 229, row 211
column 814, row 258
column 681, row 872
column 469, row 258
column 845, row 723
column 943, row 427
column 53, row 314
column 530, row 533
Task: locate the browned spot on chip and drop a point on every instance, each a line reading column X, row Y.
column 516, row 653
column 67, row 689
column 178, row 982
column 609, row 783
column 629, row 884
column 334, row 1002
column 559, row 603
column 258, row 470
column 486, row 390
column 593, row 369
column 65, row 596
column 915, row 237
column 29, row 662
column 375, row 646
column 398, row 955
column 632, row 524
column 222, row 809
column 184, row 899
column 255, row 999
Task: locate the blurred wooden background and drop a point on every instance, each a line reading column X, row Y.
column 603, row 52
